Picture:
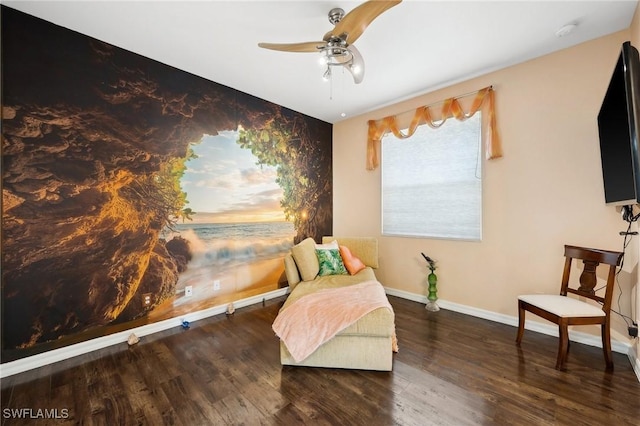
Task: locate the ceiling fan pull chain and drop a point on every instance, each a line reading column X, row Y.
column 330, row 87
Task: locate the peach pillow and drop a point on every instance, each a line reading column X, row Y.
column 352, row 263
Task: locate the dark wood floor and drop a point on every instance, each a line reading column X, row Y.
column 452, row 369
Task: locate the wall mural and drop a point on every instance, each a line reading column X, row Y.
column 124, row 178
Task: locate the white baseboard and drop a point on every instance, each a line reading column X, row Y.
column 634, row 358
column 61, row 354
column 56, row 355
column 551, row 330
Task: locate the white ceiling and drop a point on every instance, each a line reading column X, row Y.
column 413, row 48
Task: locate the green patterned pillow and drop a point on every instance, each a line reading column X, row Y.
column 330, row 262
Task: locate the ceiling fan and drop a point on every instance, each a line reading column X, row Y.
column 337, row 47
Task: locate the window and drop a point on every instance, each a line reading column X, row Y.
column 432, row 182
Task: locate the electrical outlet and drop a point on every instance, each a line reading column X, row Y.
column 633, row 331
column 188, row 291
column 216, row 285
column 146, row 300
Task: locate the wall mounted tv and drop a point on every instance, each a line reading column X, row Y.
column 618, row 126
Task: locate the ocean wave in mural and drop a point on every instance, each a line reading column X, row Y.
column 110, row 190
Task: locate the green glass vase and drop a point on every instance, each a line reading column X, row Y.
column 433, row 293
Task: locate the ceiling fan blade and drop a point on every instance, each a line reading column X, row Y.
column 356, row 67
column 355, row 22
column 309, row 46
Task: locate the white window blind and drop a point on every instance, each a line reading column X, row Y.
column 432, row 182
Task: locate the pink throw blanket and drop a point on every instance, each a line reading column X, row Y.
column 316, row 318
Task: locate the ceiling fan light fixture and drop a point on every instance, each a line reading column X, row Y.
column 356, row 66
column 334, row 53
column 327, row 74
column 337, row 54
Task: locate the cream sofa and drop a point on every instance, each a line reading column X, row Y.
column 366, row 344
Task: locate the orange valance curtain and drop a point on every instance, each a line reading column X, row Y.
column 450, row 108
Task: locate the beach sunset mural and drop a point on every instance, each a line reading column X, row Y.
column 126, row 180
column 238, row 234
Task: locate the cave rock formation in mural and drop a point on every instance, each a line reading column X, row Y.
column 93, row 138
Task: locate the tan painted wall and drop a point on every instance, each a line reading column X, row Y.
column 635, row 28
column 546, row 191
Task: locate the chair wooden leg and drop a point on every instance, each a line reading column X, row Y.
column 521, row 314
column 606, row 345
column 563, row 344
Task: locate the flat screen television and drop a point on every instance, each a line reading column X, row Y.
column 618, row 126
